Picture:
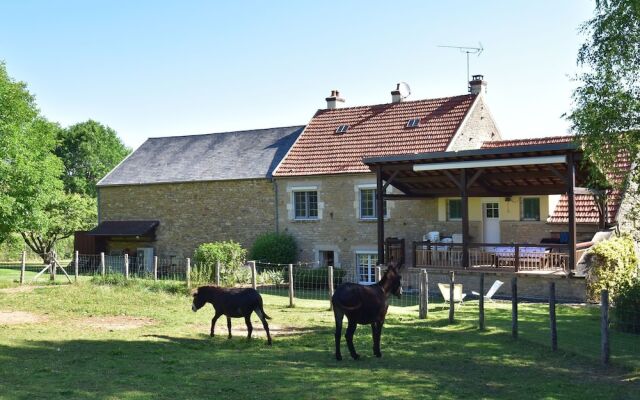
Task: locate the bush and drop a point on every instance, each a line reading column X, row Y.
column 316, row 278
column 613, row 266
column 271, row 277
column 626, row 310
column 231, row 257
column 276, row 248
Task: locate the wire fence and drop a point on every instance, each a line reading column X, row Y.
column 599, row 331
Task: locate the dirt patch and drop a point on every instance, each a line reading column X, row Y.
column 19, row 317
column 21, row 289
column 118, row 323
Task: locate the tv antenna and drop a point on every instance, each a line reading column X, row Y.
column 468, row 50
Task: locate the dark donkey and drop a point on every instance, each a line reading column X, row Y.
column 233, row 303
column 364, row 305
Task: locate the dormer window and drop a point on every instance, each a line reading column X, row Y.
column 413, row 122
column 342, row 128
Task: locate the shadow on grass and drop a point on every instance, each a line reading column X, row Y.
column 419, row 361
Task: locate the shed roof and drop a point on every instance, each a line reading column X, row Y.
column 216, row 156
column 125, row 228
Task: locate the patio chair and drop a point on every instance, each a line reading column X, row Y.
column 458, row 295
column 492, row 290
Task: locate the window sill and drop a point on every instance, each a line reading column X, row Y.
column 305, row 220
column 372, row 219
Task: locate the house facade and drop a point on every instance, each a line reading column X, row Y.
column 326, row 195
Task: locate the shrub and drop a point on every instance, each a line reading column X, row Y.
column 277, row 248
column 316, row 278
column 613, row 266
column 626, row 310
column 271, row 277
column 231, row 257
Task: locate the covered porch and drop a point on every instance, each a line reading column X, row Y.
column 547, row 169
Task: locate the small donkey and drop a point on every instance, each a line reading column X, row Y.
column 232, row 303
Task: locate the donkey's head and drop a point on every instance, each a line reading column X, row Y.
column 198, row 299
column 392, row 281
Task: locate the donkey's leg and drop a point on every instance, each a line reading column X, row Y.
column 229, row 326
column 376, row 330
column 351, row 329
column 247, row 320
column 264, row 324
column 213, row 322
column 338, row 315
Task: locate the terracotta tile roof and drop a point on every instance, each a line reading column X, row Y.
column 376, row 130
column 586, row 209
column 527, row 142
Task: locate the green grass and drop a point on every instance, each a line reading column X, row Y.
column 174, row 358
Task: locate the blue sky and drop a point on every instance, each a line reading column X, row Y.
column 154, row 68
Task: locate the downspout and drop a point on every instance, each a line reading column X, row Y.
column 98, row 204
column 275, row 191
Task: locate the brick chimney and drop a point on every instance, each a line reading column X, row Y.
column 396, row 97
column 333, row 100
column 478, row 85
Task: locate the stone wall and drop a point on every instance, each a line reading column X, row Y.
column 195, row 213
column 478, row 127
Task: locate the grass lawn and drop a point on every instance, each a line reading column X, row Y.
column 139, row 342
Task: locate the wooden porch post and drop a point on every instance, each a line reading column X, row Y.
column 380, row 214
column 465, row 219
column 571, row 184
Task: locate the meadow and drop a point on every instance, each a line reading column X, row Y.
column 140, row 340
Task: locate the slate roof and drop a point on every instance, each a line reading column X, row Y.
column 216, row 156
column 586, row 209
column 376, row 130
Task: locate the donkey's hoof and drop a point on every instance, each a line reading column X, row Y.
column 338, row 357
column 355, row 356
column 378, row 354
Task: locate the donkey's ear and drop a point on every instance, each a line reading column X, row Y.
column 194, row 292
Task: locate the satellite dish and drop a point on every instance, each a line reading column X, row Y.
column 405, row 90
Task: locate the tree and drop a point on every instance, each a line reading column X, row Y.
column 89, row 150
column 606, row 111
column 60, row 217
column 29, row 171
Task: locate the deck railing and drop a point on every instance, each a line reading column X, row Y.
column 514, row 257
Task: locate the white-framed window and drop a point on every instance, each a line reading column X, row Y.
column 366, row 265
column 454, row 210
column 368, row 206
column 305, row 204
column 492, row 210
column 530, row 209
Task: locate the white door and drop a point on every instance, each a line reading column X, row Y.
column 491, row 222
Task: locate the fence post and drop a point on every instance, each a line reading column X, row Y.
column 103, row 265
column 126, row 266
column 217, row 273
column 155, row 268
column 481, row 304
column 514, row 307
column 76, row 263
column 52, row 266
column 424, row 295
column 378, row 273
column 604, row 325
column 451, row 302
column 254, row 275
column 517, row 257
column 188, row 273
column 330, row 276
column 552, row 316
column 290, row 285
column 23, row 266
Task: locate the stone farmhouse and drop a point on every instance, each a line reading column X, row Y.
column 319, row 183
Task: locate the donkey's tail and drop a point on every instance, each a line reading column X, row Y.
column 262, row 309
